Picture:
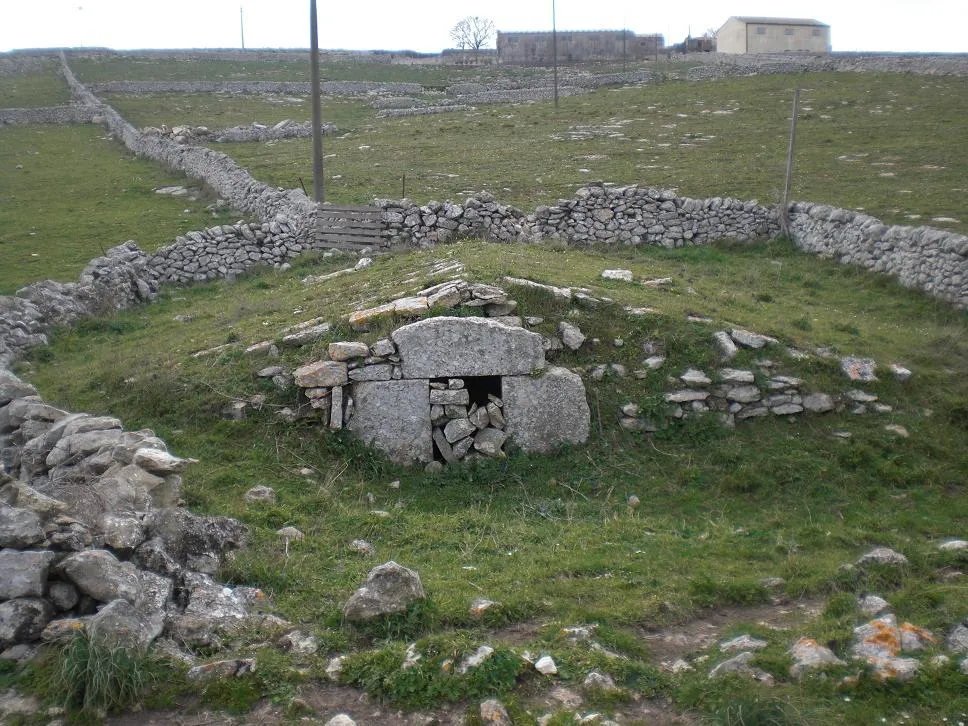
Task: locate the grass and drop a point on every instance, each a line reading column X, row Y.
column 34, row 89
column 100, row 69
column 551, row 538
column 68, row 193
column 855, row 147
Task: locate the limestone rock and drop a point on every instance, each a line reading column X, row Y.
column 343, row 351
column 23, row 620
column 475, row 659
column 12, row 387
column 260, row 493
column 457, row 347
column 493, row 713
column 489, row 442
column 545, row 412
column 880, row 638
column 808, row 654
column 394, row 417
column 957, row 640
column 389, row 588
column 596, row 681
column 23, row 573
column 545, row 665
column 727, row 348
column 194, row 541
column 222, row 669
column 872, row 605
column 859, row 369
column 19, row 528
column 571, row 335
column 623, row 275
column 882, row 556
column 321, row 374
column 120, row 623
column 742, row 642
column 160, row 463
column 457, row 429
column 341, row 719
column 101, row 575
column 818, row 403
column 748, row 339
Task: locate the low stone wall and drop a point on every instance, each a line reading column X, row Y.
column 298, row 88
column 72, row 114
column 932, row 260
column 620, row 215
column 724, row 65
column 229, row 180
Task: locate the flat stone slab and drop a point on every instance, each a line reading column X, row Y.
column 459, row 347
column 544, row 413
column 394, row 416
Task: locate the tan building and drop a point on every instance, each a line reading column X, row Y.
column 772, row 35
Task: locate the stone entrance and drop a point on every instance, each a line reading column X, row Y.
column 450, row 388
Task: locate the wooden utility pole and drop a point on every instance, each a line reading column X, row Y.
column 784, row 228
column 318, row 189
column 554, row 49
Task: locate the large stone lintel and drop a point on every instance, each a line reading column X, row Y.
column 447, row 346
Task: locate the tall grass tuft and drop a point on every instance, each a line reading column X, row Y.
column 94, row 676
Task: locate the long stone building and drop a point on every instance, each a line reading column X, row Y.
column 772, row 35
column 535, row 48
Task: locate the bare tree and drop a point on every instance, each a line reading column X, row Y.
column 472, row 33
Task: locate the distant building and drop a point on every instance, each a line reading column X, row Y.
column 772, row 35
column 535, row 48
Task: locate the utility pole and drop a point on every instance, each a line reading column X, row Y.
column 554, row 49
column 318, row 191
column 242, row 27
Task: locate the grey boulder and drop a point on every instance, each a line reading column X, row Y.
column 389, row 588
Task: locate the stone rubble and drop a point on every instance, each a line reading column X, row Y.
column 92, row 536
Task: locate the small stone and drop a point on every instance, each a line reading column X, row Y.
column 872, row 605
column 953, row 545
column 334, row 667
column 897, row 430
column 633, row 502
column 622, row 275
column 900, row 373
column 290, row 533
column 818, row 403
column 362, row 547
column 859, row 396
column 742, row 642
column 481, row 605
column 299, row 643
column 859, row 369
column 654, row 362
column 571, row 335
column 749, row 339
column 260, row 493
column 733, row 375
column 457, row 429
column 341, row 719
column 596, row 681
column 808, row 654
column 695, row 379
column 727, row 348
column 489, row 442
column 882, row 556
column 475, row 659
column 546, row 665
column 493, row 713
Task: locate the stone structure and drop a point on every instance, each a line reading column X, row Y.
column 772, row 35
column 91, row 537
column 449, row 388
column 536, row 48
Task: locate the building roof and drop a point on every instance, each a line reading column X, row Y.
column 750, row 20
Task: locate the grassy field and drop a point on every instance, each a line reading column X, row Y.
column 95, row 70
column 67, row 193
column 552, row 538
column 34, row 89
column 888, row 144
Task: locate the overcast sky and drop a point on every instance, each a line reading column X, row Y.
column 424, row 25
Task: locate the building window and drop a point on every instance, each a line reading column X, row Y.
column 817, row 33
column 788, row 31
column 761, row 30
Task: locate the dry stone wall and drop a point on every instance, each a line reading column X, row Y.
column 327, row 88
column 932, row 260
column 72, row 114
column 617, row 215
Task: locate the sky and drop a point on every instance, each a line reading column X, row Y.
column 424, row 25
